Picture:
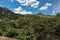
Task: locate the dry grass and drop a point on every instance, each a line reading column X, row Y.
column 6, row 38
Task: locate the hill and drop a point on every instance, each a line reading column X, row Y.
column 29, row 27
column 6, row 13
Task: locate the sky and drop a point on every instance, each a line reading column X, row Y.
column 32, row 6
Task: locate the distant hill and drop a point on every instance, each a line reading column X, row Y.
column 6, row 13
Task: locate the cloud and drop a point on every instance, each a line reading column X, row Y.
column 1, row 5
column 56, row 7
column 35, row 5
column 32, row 3
column 46, row 6
column 19, row 10
column 53, row 13
column 11, row 0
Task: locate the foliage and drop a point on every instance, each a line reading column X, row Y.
column 29, row 27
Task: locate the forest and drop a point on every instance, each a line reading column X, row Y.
column 30, row 26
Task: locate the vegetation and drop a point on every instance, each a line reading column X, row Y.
column 29, row 27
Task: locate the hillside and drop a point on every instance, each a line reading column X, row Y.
column 6, row 13
column 29, row 27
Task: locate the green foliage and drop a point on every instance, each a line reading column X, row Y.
column 29, row 27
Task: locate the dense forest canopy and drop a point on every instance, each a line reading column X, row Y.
column 29, row 27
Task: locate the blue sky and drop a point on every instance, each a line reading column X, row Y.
column 32, row 6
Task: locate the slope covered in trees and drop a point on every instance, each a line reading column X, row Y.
column 29, row 27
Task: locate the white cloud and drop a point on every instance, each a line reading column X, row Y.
column 25, row 12
column 46, row 6
column 53, row 13
column 1, row 5
column 35, row 5
column 56, row 7
column 19, row 10
column 32, row 3
column 11, row 0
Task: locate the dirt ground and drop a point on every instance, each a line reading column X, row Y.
column 6, row 38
